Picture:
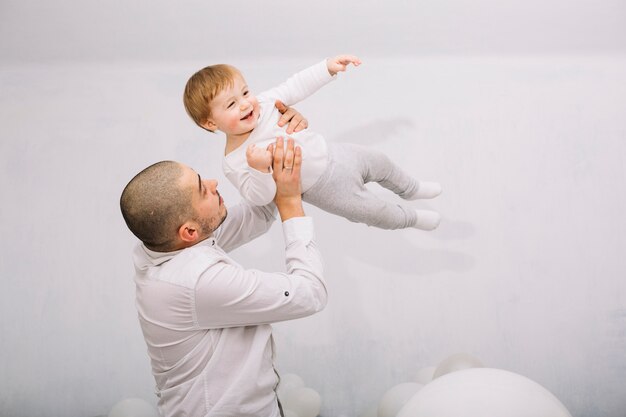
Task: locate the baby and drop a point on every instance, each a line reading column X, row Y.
column 333, row 175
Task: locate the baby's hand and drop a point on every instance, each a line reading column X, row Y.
column 340, row 62
column 259, row 159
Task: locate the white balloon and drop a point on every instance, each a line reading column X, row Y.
column 304, row 401
column 483, row 392
column 287, row 383
column 394, row 399
column 425, row 375
column 133, row 407
column 456, row 362
column 289, row 413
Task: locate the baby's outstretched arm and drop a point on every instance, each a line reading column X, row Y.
column 341, row 62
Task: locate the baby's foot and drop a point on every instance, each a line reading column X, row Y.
column 427, row 189
column 427, row 219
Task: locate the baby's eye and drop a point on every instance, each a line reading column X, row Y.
column 231, row 104
column 245, row 93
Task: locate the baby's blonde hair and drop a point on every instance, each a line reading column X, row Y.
column 202, row 88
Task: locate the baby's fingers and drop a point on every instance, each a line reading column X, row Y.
column 349, row 59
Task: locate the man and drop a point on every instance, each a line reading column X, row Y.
column 206, row 319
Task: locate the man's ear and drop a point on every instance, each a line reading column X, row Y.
column 189, row 232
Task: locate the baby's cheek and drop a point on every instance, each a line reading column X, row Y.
column 233, row 124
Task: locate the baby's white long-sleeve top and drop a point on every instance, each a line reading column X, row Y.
column 257, row 187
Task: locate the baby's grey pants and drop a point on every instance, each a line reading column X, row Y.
column 341, row 189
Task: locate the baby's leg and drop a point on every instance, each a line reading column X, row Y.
column 343, row 192
column 359, row 205
column 375, row 166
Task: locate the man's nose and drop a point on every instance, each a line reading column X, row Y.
column 211, row 185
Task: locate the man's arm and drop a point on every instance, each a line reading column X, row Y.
column 227, row 295
column 286, row 173
column 244, row 222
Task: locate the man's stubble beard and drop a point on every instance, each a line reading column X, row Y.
column 207, row 225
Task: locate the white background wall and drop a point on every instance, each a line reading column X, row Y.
column 515, row 107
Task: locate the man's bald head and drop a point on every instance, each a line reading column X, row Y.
column 154, row 205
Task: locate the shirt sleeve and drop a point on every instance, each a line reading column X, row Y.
column 256, row 187
column 243, row 223
column 227, row 295
column 301, row 85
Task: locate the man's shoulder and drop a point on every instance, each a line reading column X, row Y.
column 185, row 268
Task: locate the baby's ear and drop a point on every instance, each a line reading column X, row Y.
column 209, row 125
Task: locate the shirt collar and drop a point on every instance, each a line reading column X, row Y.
column 157, row 258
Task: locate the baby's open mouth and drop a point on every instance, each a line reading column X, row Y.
column 248, row 116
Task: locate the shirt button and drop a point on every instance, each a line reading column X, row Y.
column 286, row 293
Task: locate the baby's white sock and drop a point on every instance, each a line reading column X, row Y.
column 427, row 219
column 427, row 189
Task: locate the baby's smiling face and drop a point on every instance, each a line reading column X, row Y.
column 234, row 110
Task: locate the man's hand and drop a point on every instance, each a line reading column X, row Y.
column 341, row 62
column 296, row 122
column 286, row 173
column 259, row 158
